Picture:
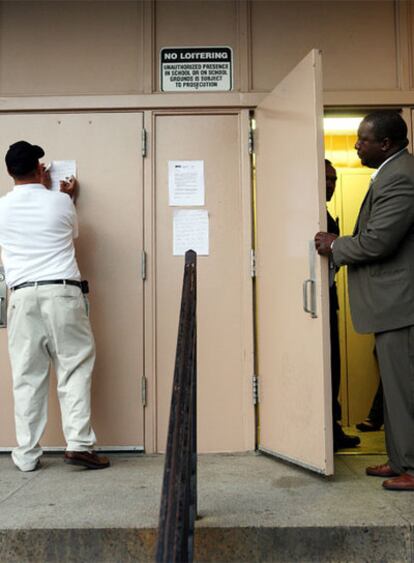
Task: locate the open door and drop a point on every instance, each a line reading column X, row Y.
column 293, row 343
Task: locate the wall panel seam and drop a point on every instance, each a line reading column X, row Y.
column 403, row 44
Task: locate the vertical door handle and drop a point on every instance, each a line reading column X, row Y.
column 309, row 285
column 309, row 296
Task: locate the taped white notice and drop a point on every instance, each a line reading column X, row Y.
column 190, row 231
column 61, row 170
column 186, row 182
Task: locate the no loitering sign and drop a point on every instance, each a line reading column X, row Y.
column 196, row 69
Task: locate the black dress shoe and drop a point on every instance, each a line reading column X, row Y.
column 368, row 426
column 344, row 441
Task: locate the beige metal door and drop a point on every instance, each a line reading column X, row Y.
column 107, row 149
column 293, row 347
column 225, row 362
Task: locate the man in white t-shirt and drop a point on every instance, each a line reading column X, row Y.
column 47, row 313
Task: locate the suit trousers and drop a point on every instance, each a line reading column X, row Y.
column 335, row 361
column 395, row 351
column 49, row 324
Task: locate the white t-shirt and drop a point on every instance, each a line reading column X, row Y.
column 37, row 228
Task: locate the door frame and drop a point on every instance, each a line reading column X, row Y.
column 343, row 110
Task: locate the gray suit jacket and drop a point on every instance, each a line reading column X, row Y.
column 380, row 253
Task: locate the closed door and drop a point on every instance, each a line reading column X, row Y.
column 106, row 147
column 225, row 360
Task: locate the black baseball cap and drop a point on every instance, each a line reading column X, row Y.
column 22, row 158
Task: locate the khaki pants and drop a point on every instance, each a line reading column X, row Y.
column 47, row 324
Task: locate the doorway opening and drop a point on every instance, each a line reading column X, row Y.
column 359, row 369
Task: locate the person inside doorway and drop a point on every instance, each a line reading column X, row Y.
column 375, row 418
column 341, row 440
column 380, row 259
column 47, row 317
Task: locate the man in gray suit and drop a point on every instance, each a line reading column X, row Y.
column 380, row 259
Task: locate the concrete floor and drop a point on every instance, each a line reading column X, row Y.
column 252, row 507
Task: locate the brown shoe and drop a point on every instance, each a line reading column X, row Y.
column 380, row 471
column 90, row 460
column 404, row 482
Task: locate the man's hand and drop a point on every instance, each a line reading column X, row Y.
column 45, row 179
column 70, row 187
column 323, row 243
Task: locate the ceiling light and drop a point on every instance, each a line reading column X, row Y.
column 341, row 125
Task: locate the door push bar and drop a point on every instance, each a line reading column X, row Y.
column 3, row 299
column 309, row 285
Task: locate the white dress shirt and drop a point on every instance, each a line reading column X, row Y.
column 376, row 172
column 37, row 228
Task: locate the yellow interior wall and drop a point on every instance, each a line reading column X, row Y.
column 359, row 372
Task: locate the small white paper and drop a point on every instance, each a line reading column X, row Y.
column 61, row 170
column 186, row 182
column 190, row 231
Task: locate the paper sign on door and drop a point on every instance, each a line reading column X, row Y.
column 186, row 182
column 190, row 231
column 61, row 170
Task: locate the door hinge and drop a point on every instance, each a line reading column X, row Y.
column 250, row 139
column 143, row 265
column 253, row 263
column 144, row 391
column 144, row 142
column 255, row 389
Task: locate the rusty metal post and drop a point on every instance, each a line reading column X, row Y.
column 179, row 497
